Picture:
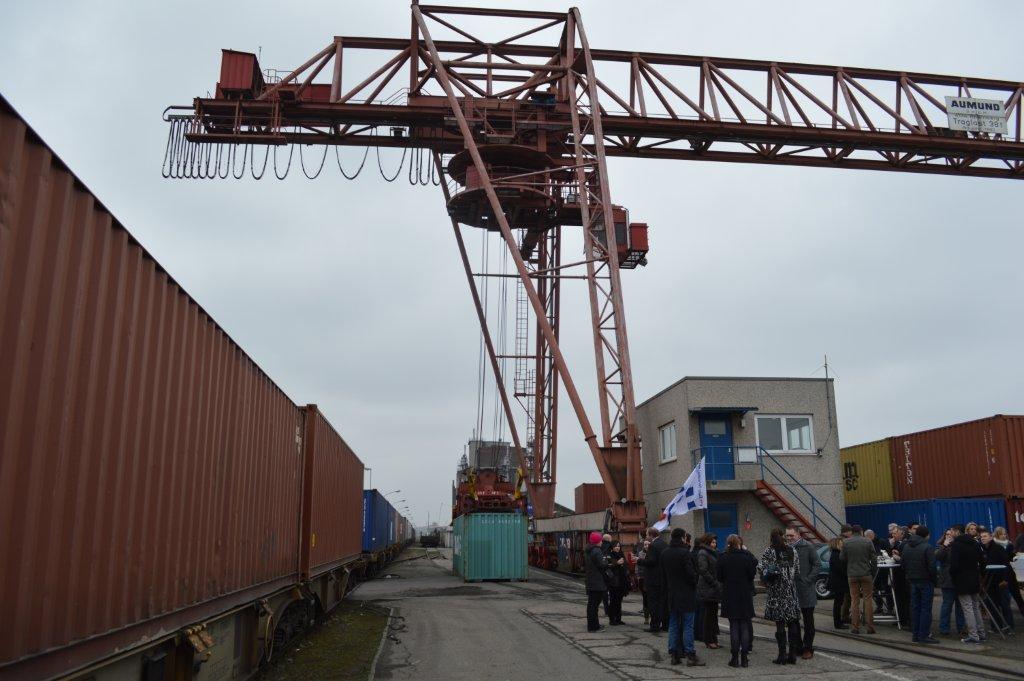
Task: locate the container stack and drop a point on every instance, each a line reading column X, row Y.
column 940, row 476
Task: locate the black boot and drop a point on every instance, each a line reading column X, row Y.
column 781, row 640
column 676, row 657
column 744, row 660
column 734, row 660
column 693, row 661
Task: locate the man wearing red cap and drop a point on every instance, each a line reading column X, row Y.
column 596, row 563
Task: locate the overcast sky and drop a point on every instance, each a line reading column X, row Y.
column 351, row 295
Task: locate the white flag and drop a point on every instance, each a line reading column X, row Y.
column 692, row 495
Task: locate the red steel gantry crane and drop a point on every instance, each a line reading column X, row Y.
column 527, row 128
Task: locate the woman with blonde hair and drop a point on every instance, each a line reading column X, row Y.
column 1000, row 536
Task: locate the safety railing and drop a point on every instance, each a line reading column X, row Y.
column 720, row 462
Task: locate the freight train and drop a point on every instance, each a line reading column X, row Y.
column 166, row 510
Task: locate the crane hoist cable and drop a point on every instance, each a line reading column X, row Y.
column 291, row 152
column 401, row 162
column 337, row 156
column 302, row 163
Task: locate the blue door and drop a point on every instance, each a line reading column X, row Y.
column 716, row 446
column 720, row 520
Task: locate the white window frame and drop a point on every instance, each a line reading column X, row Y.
column 662, row 458
column 785, row 440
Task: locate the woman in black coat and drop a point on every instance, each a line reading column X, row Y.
column 709, row 589
column 966, row 564
column 619, row 584
column 736, row 569
column 596, row 564
column 838, row 583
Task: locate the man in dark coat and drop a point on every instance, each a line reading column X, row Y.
column 806, row 576
column 900, row 587
column 918, row 560
column 680, row 575
column 966, row 563
column 655, row 581
column 736, row 569
column 595, row 563
column 999, row 580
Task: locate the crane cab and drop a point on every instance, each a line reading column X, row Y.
column 630, row 239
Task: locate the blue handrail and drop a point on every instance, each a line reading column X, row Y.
column 820, row 515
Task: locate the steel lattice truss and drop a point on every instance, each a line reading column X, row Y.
column 486, row 110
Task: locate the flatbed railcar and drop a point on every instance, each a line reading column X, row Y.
column 168, row 511
column 560, row 543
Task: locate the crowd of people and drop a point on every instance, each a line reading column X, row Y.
column 686, row 585
column 898, row 576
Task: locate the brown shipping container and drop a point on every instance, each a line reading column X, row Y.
column 973, row 459
column 336, row 500
column 590, row 497
column 149, row 470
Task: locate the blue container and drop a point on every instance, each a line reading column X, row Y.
column 378, row 522
column 935, row 514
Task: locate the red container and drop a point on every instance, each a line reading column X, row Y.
column 1014, row 517
column 590, row 497
column 239, row 73
column 149, row 470
column 335, row 502
column 973, row 459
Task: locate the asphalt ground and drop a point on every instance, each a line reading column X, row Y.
column 445, row 629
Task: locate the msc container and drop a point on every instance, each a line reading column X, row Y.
column 378, row 521
column 590, row 497
column 490, row 546
column 150, row 471
column 867, row 473
column 977, row 458
column 935, row 514
column 333, row 502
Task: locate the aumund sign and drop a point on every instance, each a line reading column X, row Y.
column 976, row 115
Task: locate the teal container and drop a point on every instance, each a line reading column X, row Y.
column 490, row 546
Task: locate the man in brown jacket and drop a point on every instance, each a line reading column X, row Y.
column 861, row 561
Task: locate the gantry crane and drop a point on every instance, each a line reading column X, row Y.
column 521, row 129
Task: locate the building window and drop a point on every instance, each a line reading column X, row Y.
column 667, row 438
column 785, row 434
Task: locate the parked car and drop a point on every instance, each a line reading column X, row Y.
column 821, row 584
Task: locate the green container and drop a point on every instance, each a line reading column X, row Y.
column 490, row 546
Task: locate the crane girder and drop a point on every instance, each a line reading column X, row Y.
column 529, row 127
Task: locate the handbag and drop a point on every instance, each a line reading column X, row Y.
column 770, row 574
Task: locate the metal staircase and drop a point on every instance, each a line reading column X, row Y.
column 776, row 488
column 795, row 506
column 786, row 514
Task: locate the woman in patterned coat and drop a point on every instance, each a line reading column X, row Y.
column 779, row 567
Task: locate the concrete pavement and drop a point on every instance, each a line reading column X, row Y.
column 447, row 629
